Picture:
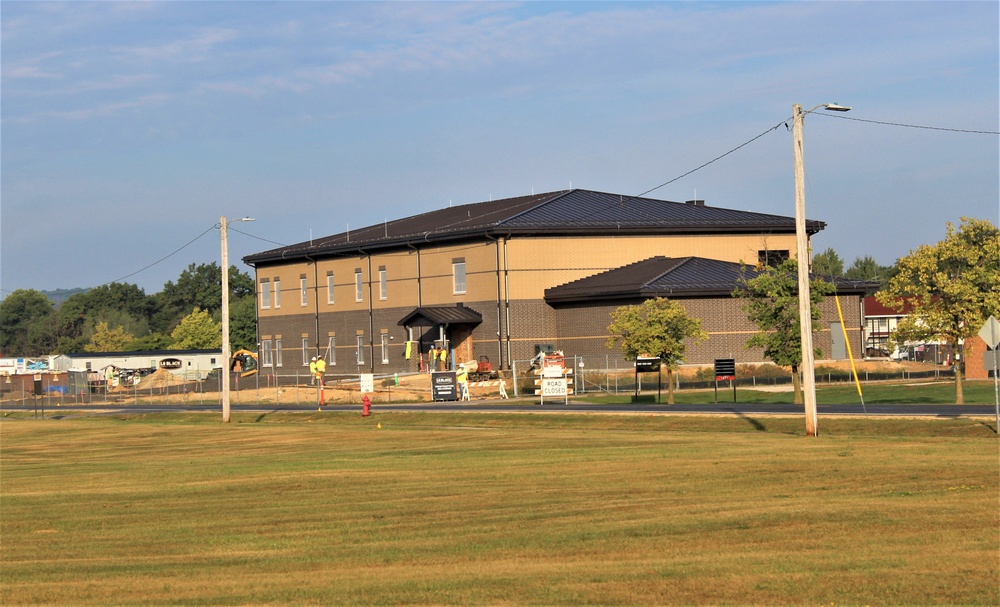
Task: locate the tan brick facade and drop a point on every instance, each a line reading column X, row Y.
column 505, row 280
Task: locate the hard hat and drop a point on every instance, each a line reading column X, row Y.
column 314, row 358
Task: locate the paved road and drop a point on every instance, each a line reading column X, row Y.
column 497, row 406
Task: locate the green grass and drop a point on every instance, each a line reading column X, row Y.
column 473, row 509
column 939, row 392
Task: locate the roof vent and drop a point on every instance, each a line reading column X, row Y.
column 695, row 203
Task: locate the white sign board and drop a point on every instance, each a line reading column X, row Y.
column 554, row 386
column 990, row 333
column 367, row 382
column 553, row 371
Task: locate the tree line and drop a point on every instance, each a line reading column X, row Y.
column 121, row 317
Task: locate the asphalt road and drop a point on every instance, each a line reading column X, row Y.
column 521, row 406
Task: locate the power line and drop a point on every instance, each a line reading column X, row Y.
column 909, row 126
column 783, row 122
column 280, row 244
column 164, row 258
column 841, row 117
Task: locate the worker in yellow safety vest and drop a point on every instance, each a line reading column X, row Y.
column 320, row 370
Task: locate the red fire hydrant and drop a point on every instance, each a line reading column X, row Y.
column 366, row 406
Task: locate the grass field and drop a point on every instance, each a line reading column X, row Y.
column 482, row 509
column 976, row 392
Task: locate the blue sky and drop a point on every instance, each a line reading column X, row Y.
column 128, row 129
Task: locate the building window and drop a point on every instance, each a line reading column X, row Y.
column 304, row 288
column 358, row 291
column 458, row 271
column 265, row 294
column 329, row 288
column 771, row 259
column 548, row 348
column 382, row 287
column 277, row 352
column 331, row 350
column 265, row 353
column 361, row 350
column 305, row 351
column 277, row 292
column 385, row 349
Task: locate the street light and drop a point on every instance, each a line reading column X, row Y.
column 224, row 236
column 802, row 257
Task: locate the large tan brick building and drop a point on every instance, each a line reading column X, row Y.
column 483, row 279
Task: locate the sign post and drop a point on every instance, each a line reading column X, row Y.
column 725, row 368
column 990, row 333
column 648, row 365
column 444, row 385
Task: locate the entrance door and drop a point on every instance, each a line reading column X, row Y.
column 838, row 344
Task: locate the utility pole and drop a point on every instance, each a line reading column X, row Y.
column 223, row 234
column 802, row 257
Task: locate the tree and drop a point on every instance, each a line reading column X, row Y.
column 951, row 287
column 828, row 263
column 197, row 331
column 23, row 316
column 243, row 323
column 105, row 339
column 866, row 268
column 772, row 303
column 656, row 327
column 118, row 304
column 199, row 287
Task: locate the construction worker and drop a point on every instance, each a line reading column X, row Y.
column 320, row 370
column 312, row 371
column 462, row 377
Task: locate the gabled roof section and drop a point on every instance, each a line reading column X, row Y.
column 570, row 212
column 432, row 316
column 671, row 277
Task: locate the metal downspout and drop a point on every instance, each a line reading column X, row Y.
column 319, row 351
column 506, row 296
column 371, row 316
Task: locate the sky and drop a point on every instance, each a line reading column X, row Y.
column 127, row 129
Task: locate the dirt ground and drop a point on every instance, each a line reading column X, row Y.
column 164, row 387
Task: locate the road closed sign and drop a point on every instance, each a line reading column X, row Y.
column 553, row 386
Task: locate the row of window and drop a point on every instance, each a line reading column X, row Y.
column 269, row 286
column 270, row 351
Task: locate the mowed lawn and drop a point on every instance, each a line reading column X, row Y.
column 481, row 509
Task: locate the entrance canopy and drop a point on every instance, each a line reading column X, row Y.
column 432, row 316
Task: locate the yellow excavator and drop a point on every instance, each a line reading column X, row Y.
column 243, row 362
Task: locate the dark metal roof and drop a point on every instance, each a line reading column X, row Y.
column 672, row 277
column 431, row 316
column 570, row 212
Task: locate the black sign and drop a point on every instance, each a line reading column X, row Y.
column 647, row 365
column 444, row 386
column 171, row 363
column 725, row 368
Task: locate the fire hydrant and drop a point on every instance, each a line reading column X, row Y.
column 366, row 406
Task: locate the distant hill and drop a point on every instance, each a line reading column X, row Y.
column 60, row 295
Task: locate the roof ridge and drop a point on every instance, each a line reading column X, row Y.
column 680, row 262
column 556, row 196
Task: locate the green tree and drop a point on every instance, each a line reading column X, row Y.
column 866, row 268
column 772, row 303
column 656, row 327
column 243, row 323
column 951, row 287
column 23, row 323
column 118, row 304
column 105, row 339
column 828, row 263
column 197, row 331
column 152, row 341
column 199, row 286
